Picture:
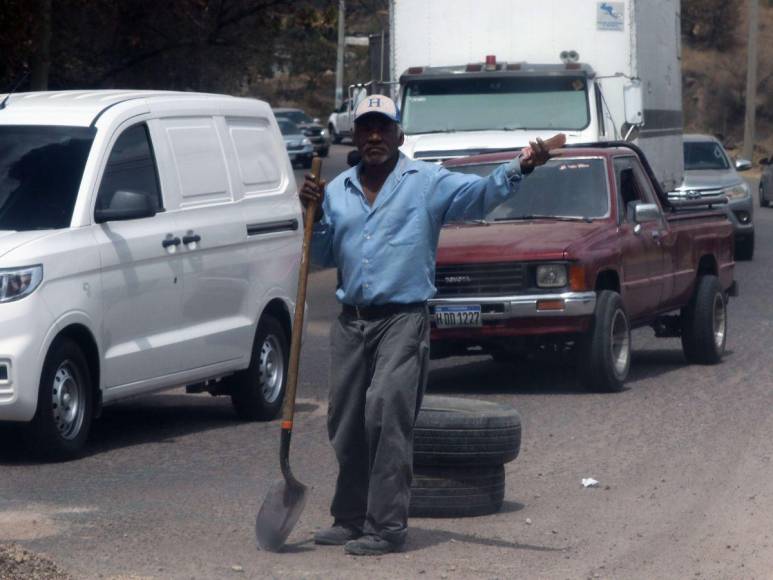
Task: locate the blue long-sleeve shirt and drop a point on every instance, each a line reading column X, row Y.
column 385, row 253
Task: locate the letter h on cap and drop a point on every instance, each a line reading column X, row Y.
column 374, row 102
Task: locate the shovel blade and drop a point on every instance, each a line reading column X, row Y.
column 279, row 513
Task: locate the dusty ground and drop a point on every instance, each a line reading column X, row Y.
column 16, row 563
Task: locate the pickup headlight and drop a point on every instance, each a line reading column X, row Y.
column 305, row 141
column 19, row 282
column 740, row 190
column 324, row 133
column 551, row 276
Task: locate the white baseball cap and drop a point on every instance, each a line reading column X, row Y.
column 380, row 104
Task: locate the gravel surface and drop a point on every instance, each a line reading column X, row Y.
column 16, row 563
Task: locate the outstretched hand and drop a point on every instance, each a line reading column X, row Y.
column 538, row 152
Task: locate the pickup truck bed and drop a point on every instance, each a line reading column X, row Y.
column 589, row 248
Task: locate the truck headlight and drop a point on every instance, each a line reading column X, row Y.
column 305, row 141
column 739, row 190
column 17, row 283
column 551, row 276
column 324, row 133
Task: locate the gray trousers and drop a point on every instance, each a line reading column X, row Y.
column 378, row 375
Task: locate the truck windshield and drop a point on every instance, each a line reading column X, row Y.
column 704, row 155
column 40, row 172
column 562, row 188
column 495, row 103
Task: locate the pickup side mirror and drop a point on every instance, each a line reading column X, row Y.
column 743, row 164
column 645, row 212
column 126, row 205
column 766, row 161
column 316, row 120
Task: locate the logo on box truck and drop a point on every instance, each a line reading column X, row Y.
column 609, row 15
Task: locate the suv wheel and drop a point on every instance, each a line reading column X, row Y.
column 257, row 392
column 62, row 421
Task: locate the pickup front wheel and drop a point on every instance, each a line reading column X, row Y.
column 704, row 323
column 606, row 350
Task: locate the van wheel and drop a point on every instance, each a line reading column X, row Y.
column 704, row 323
column 606, row 351
column 257, row 392
column 334, row 135
column 62, row 421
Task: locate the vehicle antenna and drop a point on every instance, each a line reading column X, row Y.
column 13, row 90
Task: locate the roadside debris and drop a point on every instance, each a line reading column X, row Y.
column 589, row 482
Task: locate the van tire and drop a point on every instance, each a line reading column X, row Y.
column 257, row 392
column 704, row 323
column 457, row 492
column 62, row 421
column 452, row 431
column 606, row 350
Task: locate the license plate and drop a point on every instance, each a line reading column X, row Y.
column 457, row 316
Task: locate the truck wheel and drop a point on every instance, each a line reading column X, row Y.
column 62, row 421
column 763, row 200
column 257, row 391
column 456, row 431
column 704, row 323
column 744, row 248
column 334, row 135
column 606, row 352
column 454, row 492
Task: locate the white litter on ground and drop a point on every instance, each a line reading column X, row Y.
column 589, row 482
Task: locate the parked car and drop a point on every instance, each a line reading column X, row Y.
column 147, row 240
column 317, row 134
column 708, row 171
column 299, row 148
column 589, row 248
column 766, row 181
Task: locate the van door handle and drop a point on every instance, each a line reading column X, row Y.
column 190, row 239
column 171, row 242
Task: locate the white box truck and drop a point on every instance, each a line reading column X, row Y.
column 475, row 76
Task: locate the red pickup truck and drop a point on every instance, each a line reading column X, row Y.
column 589, row 248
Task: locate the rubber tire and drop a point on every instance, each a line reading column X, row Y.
column 763, row 201
column 246, row 393
column 324, row 152
column 698, row 341
column 596, row 364
column 41, row 434
column 457, row 492
column 744, row 248
column 451, row 431
column 334, row 135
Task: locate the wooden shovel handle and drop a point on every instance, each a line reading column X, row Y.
column 288, row 408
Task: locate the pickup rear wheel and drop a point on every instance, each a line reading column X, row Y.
column 334, row 135
column 606, row 350
column 257, row 392
column 704, row 323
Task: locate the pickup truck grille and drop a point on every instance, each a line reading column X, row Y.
column 490, row 279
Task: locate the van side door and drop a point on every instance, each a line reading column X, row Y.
column 641, row 251
column 141, row 270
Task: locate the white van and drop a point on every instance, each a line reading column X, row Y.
column 148, row 240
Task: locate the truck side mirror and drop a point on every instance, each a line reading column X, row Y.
column 646, row 212
column 634, row 103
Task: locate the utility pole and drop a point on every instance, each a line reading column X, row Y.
column 340, row 58
column 751, row 80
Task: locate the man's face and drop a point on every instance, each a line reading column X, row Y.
column 377, row 138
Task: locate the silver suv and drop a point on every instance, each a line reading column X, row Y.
column 709, row 171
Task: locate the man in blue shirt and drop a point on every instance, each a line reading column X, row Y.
column 378, row 223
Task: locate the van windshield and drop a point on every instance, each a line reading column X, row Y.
column 40, row 172
column 495, row 103
column 562, row 188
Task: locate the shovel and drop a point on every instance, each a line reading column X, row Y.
column 287, row 497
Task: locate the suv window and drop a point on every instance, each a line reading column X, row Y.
column 41, row 168
column 130, row 167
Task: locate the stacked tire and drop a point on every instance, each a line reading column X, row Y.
column 460, row 447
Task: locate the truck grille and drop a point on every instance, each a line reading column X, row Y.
column 479, row 279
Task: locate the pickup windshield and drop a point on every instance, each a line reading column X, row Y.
column 495, row 103
column 704, row 155
column 561, row 189
column 40, row 172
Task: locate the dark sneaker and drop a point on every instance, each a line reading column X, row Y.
column 370, row 545
column 337, row 535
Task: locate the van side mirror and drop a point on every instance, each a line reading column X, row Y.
column 743, row 164
column 646, row 212
column 634, row 103
column 126, row 205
